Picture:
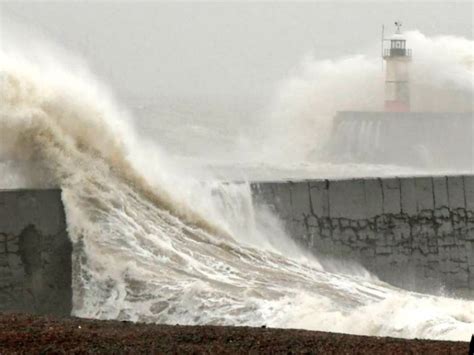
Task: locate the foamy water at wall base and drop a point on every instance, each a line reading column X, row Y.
column 150, row 244
column 194, row 278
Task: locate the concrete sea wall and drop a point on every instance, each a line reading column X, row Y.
column 35, row 253
column 429, row 139
column 414, row 232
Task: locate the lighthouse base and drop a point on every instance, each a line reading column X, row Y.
column 396, row 106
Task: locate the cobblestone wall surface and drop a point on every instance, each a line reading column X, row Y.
column 35, row 253
column 417, row 233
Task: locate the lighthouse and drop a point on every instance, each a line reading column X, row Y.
column 397, row 57
column 399, row 135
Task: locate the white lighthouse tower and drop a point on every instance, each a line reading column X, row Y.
column 397, row 58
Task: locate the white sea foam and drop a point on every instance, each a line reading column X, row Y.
column 153, row 245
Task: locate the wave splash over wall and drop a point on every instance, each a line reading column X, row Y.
column 152, row 245
column 299, row 121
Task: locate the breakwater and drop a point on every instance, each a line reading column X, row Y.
column 35, row 253
column 414, row 232
column 418, row 139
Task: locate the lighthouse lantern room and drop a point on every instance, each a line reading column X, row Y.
column 397, row 58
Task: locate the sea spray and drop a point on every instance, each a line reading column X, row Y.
column 151, row 246
column 298, row 123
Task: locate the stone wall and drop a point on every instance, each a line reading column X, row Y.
column 35, row 253
column 417, row 233
column 418, row 139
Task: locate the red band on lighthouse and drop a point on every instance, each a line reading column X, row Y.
column 397, row 106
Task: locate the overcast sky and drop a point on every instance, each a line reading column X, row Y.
column 228, row 50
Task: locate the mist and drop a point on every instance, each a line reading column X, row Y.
column 144, row 115
column 249, row 90
column 300, row 120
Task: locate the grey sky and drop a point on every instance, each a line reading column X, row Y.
column 225, row 50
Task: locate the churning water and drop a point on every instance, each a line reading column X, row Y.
column 153, row 244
